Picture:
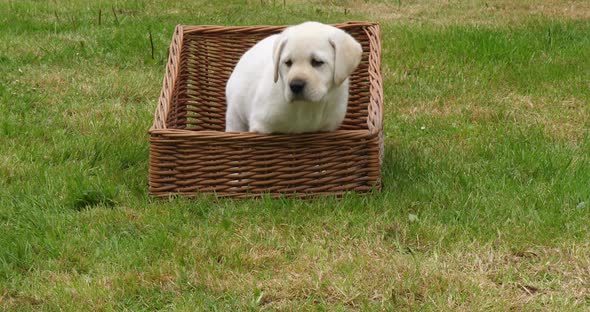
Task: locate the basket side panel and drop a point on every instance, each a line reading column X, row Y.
column 346, row 161
column 358, row 100
column 375, row 109
column 165, row 106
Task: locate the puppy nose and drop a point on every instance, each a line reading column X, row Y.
column 297, row 86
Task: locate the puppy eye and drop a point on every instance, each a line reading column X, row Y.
column 288, row 63
column 316, row 63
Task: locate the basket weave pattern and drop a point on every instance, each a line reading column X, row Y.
column 190, row 153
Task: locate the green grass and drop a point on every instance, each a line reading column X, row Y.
column 486, row 199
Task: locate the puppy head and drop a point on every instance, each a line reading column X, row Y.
column 312, row 58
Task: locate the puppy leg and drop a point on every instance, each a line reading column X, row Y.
column 329, row 128
column 233, row 123
column 258, row 127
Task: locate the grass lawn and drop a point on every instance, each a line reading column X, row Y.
column 486, row 198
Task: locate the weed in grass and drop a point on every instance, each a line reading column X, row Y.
column 90, row 198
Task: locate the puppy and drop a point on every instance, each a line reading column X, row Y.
column 293, row 82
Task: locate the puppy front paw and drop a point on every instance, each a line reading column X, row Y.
column 260, row 128
column 330, row 127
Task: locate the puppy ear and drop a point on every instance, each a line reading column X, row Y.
column 347, row 55
column 278, row 46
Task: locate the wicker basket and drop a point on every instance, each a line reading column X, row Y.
column 190, row 152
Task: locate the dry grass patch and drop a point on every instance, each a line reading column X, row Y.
column 432, row 108
column 446, row 12
column 374, row 272
column 564, row 119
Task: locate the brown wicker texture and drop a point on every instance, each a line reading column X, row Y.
column 190, row 152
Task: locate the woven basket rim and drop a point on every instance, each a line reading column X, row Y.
column 252, row 135
column 187, row 28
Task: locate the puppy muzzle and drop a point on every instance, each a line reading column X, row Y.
column 297, row 86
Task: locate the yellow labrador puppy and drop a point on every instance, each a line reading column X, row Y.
column 293, row 82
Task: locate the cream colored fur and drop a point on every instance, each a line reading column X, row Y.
column 262, row 92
